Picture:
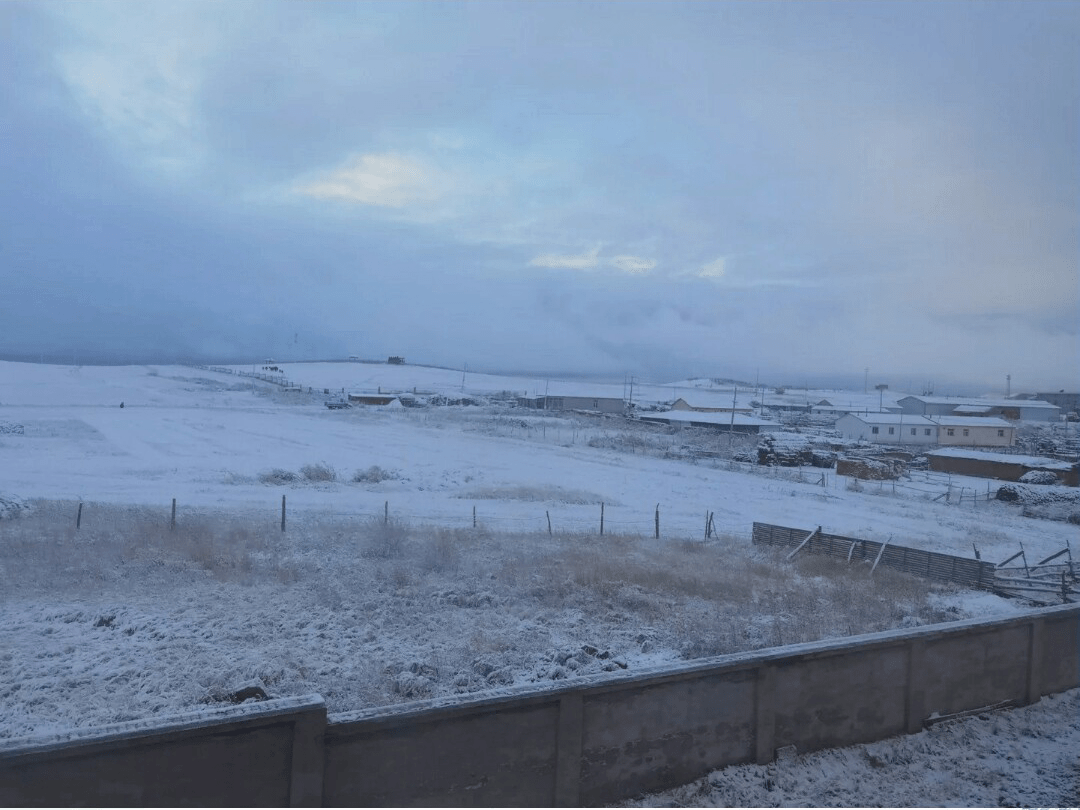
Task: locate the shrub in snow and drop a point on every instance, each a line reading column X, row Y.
column 1038, row 495
column 278, row 476
column 11, row 428
column 319, row 472
column 374, row 475
column 1041, row 477
column 384, row 540
column 12, row 507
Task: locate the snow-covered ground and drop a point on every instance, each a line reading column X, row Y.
column 205, row 438
column 124, row 619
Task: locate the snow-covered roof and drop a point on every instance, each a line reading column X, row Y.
column 972, row 409
column 1007, row 458
column 711, row 418
column 717, row 403
column 989, row 403
column 890, row 419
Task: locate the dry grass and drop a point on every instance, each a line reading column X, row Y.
column 465, row 601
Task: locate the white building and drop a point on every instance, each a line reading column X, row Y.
column 1026, row 410
column 888, row 428
column 737, row 422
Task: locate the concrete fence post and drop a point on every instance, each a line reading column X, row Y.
column 1036, row 653
column 308, row 760
column 765, row 714
column 568, row 751
column 915, row 693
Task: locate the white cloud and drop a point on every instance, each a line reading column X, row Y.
column 138, row 70
column 714, row 269
column 584, row 261
column 386, row 180
column 635, row 265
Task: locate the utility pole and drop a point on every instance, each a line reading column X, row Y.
column 866, row 380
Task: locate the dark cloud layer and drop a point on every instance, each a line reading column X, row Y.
column 658, row 189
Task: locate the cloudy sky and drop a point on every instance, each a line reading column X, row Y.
column 661, row 189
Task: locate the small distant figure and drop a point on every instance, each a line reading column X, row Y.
column 121, row 404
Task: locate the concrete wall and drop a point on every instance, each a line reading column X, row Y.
column 591, row 742
column 261, row 754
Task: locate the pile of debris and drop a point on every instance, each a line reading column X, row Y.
column 794, row 450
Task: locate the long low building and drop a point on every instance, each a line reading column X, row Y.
column 573, row 403
column 888, row 428
column 1002, row 466
column 1025, row 410
column 975, row 431
column 737, row 422
column 910, row 429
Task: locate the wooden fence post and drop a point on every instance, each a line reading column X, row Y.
column 601, row 518
column 386, row 512
column 881, row 551
column 283, row 513
column 474, row 516
column 657, row 522
column 78, row 517
column 172, row 519
column 548, row 513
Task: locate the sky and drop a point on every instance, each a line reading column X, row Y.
column 800, row 191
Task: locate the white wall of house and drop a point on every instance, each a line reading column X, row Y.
column 915, row 430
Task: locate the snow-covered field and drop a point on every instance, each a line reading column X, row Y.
column 124, row 618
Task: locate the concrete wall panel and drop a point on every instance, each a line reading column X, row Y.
column 1059, row 664
column 840, row 699
column 993, row 664
column 472, row 758
column 665, row 734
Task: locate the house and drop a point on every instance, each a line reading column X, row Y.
column 888, row 428
column 1026, row 410
column 974, row 431
column 1068, row 403
column 682, row 405
column 736, row 422
column 1002, row 466
column 372, row 399
column 603, row 404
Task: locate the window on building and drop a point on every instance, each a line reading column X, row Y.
column 913, row 431
column 950, row 431
column 965, row 431
column 874, row 430
column 596, row 403
column 892, row 431
column 926, row 431
column 1001, row 433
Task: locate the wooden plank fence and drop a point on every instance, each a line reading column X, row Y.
column 929, row 564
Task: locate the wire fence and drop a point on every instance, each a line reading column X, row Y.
column 660, row 522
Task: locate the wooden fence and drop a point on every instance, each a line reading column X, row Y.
column 929, row 564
